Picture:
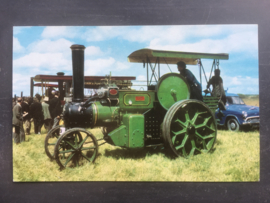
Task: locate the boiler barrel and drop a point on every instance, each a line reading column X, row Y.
column 78, row 72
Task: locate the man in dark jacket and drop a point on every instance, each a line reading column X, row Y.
column 195, row 86
column 17, row 122
column 55, row 109
column 27, row 117
column 36, row 113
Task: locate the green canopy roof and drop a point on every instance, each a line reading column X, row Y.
column 172, row 57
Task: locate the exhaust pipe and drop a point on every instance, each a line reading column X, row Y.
column 78, row 72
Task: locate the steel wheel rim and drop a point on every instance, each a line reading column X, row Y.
column 75, row 148
column 51, row 140
column 191, row 129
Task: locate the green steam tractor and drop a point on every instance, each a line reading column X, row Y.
column 163, row 115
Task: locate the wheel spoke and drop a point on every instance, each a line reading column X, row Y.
column 86, row 148
column 184, row 152
column 76, row 140
column 178, row 133
column 204, row 145
column 183, row 142
column 86, row 157
column 83, row 141
column 70, row 150
column 70, row 144
column 183, row 125
column 204, row 125
column 196, row 116
column 68, row 159
column 187, row 116
column 198, row 135
column 192, row 152
column 210, row 143
column 208, row 136
column 51, row 143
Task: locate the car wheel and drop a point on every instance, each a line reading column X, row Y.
column 233, row 125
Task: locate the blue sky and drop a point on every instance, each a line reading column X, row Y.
column 46, row 50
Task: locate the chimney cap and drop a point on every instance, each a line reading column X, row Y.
column 77, row 47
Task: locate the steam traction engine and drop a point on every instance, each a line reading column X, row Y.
column 161, row 116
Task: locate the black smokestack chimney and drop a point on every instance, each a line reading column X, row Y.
column 78, row 72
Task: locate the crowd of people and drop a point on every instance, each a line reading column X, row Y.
column 41, row 110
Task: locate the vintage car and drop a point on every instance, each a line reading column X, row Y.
column 237, row 114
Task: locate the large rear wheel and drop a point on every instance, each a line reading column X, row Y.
column 189, row 128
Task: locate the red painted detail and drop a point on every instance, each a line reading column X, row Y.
column 139, row 98
column 113, row 91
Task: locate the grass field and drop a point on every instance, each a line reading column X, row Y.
column 251, row 100
column 235, row 157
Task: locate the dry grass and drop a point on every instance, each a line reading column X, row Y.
column 235, row 158
column 251, row 100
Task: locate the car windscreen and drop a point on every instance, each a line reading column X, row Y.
column 235, row 100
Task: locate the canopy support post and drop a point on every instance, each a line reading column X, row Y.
column 200, row 69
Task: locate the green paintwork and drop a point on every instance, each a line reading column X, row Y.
column 172, row 57
column 196, row 132
column 127, row 100
column 119, row 136
column 131, row 133
column 104, row 115
column 135, row 124
column 212, row 102
column 172, row 88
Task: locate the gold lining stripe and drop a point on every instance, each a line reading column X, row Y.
column 149, row 97
column 95, row 108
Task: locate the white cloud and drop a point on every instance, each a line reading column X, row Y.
column 17, row 47
column 48, row 46
column 232, row 44
column 21, row 83
column 240, row 84
column 60, row 31
column 93, row 51
column 98, row 66
column 19, row 29
column 201, row 38
column 51, row 61
column 121, row 66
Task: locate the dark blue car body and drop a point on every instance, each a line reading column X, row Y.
column 238, row 114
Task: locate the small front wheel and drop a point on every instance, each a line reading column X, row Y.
column 50, row 141
column 75, row 147
column 233, row 125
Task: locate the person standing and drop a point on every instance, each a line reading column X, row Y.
column 217, row 83
column 46, row 114
column 195, row 86
column 26, row 116
column 36, row 112
column 55, row 109
column 17, row 122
